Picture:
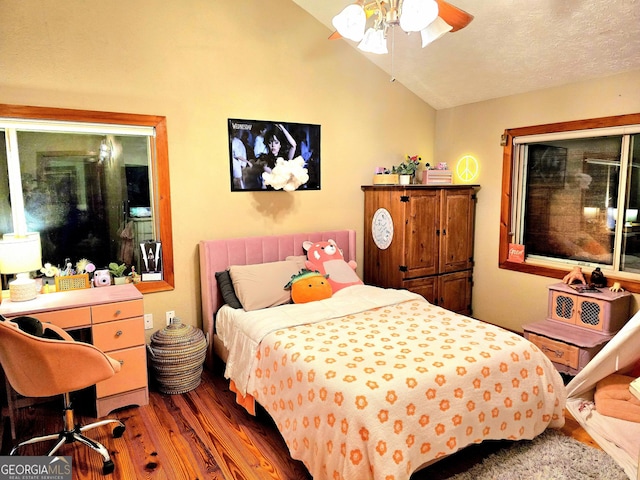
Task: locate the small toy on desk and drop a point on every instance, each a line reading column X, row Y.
column 101, row 278
column 616, row 287
column 574, row 276
column 49, row 273
column 135, row 276
column 598, row 279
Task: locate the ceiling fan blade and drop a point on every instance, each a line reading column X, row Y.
column 454, row 16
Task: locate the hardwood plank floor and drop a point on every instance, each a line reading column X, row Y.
column 202, row 434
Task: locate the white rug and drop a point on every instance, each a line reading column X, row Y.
column 550, row 456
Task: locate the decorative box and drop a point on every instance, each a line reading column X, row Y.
column 386, row 179
column 602, row 311
column 437, row 177
column 72, row 282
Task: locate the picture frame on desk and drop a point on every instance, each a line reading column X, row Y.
column 72, row 282
column 151, row 255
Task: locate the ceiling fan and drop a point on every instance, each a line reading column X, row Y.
column 432, row 18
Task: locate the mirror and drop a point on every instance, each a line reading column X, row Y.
column 94, row 189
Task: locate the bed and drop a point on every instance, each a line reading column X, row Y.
column 373, row 383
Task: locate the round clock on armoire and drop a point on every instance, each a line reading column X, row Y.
column 382, row 228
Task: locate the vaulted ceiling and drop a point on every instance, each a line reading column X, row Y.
column 511, row 47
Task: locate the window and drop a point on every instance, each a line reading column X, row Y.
column 93, row 184
column 571, row 196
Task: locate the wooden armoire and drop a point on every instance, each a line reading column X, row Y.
column 420, row 238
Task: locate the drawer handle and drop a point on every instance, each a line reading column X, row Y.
column 118, row 312
column 118, row 333
column 557, row 353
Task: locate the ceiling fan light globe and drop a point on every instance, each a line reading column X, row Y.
column 350, row 22
column 417, row 14
column 374, row 42
column 434, row 31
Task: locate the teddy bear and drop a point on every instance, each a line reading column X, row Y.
column 327, row 258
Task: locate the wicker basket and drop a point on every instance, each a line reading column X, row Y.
column 177, row 353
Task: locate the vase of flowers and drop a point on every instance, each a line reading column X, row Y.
column 407, row 169
column 404, row 179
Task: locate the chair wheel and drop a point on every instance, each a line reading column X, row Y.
column 118, row 431
column 108, row 467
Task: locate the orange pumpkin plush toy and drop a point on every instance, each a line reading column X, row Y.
column 309, row 286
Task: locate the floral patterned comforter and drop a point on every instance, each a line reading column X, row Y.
column 378, row 392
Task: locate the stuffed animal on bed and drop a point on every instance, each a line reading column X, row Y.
column 327, row 258
column 309, row 286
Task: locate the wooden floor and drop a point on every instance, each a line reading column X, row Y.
column 202, row 434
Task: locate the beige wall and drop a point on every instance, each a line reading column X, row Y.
column 503, row 297
column 199, row 63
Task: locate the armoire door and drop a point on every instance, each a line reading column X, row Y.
column 456, row 239
column 422, row 229
column 454, row 291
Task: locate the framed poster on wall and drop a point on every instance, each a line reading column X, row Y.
column 256, row 145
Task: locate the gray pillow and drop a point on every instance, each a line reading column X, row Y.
column 226, row 289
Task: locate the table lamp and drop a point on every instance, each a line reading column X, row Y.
column 21, row 254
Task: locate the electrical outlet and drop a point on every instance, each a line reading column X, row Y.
column 148, row 321
column 170, row 315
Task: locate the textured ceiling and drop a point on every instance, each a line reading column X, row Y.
column 511, row 47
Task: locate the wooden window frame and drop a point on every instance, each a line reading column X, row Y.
column 506, row 205
column 162, row 195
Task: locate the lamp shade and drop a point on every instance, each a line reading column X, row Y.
column 417, row 14
column 350, row 22
column 434, row 31
column 374, row 42
column 20, row 253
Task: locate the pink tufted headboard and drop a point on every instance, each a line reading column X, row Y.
column 218, row 255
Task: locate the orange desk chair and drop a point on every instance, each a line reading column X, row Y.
column 50, row 362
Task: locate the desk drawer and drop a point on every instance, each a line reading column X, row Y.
column 132, row 375
column 110, row 336
column 558, row 352
column 117, row 311
column 69, row 318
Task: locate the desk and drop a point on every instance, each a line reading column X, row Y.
column 113, row 319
